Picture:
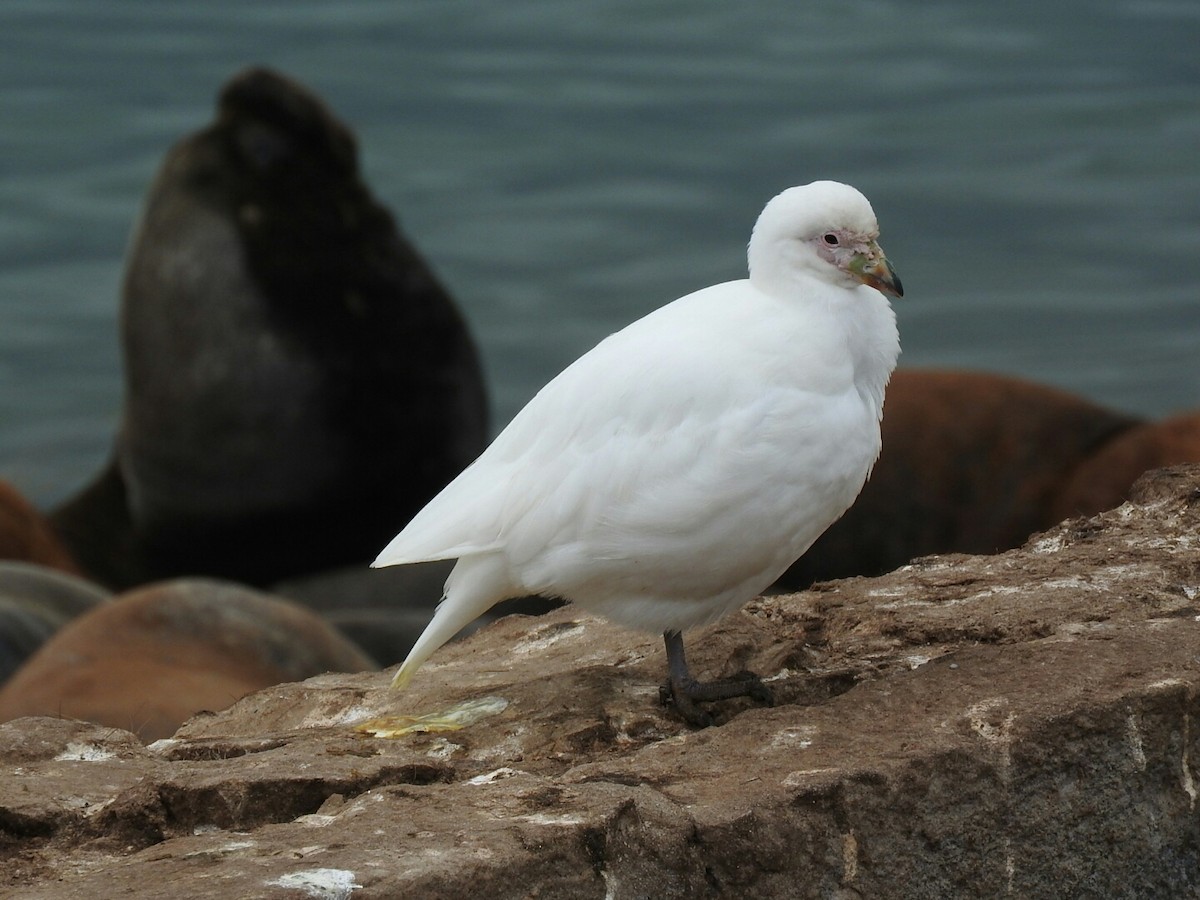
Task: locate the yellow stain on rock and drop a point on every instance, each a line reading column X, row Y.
column 456, row 717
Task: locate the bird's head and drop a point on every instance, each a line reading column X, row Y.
column 824, row 229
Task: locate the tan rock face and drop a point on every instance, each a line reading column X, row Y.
column 1016, row 725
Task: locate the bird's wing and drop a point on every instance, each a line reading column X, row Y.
column 564, row 422
column 609, row 427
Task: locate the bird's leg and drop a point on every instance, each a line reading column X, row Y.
column 685, row 691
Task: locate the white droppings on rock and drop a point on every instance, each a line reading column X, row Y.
column 610, row 884
column 546, row 637
column 931, row 564
column 321, row 884
column 84, row 753
column 796, row 737
column 1187, row 781
column 561, row 820
column 440, row 748
column 495, row 775
column 316, row 820
column 1172, row 544
column 92, row 808
column 1167, row 683
column 980, row 715
column 1049, row 543
column 351, row 715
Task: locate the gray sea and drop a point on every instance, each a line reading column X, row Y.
column 568, row 166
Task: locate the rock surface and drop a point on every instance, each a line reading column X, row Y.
column 1020, row 725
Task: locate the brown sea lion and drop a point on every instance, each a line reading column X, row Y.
column 296, row 379
column 1103, row 481
column 27, row 535
column 35, row 602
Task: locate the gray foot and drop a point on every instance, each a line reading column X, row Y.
column 685, row 693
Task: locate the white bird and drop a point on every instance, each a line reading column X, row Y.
column 678, row 468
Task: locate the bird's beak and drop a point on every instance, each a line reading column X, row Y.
column 872, row 269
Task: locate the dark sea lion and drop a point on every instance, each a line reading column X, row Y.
column 297, row 382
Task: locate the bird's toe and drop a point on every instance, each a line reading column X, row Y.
column 687, row 694
column 670, row 694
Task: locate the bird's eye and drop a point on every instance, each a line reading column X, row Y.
column 831, row 239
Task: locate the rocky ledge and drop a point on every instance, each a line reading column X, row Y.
column 1021, row 725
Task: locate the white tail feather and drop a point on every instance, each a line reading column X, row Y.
column 475, row 585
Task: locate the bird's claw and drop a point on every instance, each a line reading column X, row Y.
column 686, row 694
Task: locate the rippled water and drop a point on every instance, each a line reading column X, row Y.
column 568, row 166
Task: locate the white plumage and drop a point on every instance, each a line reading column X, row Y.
column 678, row 468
